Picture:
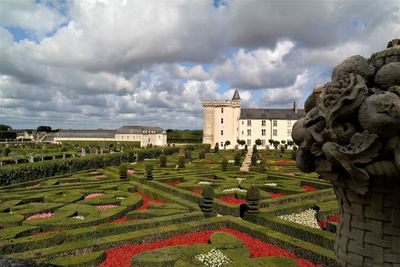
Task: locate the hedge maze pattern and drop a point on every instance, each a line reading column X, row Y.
column 82, row 218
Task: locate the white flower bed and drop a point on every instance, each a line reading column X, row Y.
column 205, row 182
column 79, row 217
column 271, row 184
column 120, row 198
column 214, row 258
column 306, row 218
column 234, row 189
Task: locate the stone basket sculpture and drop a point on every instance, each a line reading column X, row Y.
column 350, row 136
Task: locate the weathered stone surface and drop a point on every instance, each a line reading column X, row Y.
column 350, row 136
column 388, row 75
column 380, row 114
column 356, row 65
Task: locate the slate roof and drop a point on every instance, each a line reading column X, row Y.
column 138, row 130
column 87, row 133
column 262, row 113
column 236, row 95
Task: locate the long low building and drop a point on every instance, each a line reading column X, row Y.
column 144, row 134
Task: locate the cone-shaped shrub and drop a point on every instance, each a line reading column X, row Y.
column 123, row 171
column 263, row 165
column 149, row 171
column 188, row 154
column 181, row 161
column 216, row 148
column 207, row 202
column 294, row 154
column 237, row 158
column 202, row 154
column 163, row 161
column 253, row 199
column 140, row 156
column 224, row 165
column 253, row 159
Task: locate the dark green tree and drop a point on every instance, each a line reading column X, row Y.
column 227, row 143
column 163, row 161
column 46, row 129
column 258, row 142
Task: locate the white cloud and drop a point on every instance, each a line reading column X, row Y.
column 259, row 68
column 30, row 15
column 285, row 96
column 152, row 62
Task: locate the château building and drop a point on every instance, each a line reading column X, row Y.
column 226, row 120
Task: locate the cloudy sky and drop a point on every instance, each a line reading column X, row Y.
column 107, row 63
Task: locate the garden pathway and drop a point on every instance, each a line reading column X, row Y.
column 247, row 161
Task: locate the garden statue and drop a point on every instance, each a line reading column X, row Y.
column 350, row 136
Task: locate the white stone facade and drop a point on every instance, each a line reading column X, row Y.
column 225, row 120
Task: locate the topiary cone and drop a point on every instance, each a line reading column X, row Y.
column 123, row 171
column 207, row 201
column 253, row 199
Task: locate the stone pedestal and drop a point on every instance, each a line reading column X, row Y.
column 368, row 233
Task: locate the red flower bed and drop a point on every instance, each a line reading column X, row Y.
column 334, row 218
column 120, row 220
column 281, row 162
column 309, row 188
column 145, row 205
column 197, row 191
column 121, row 256
column 276, row 195
column 232, row 200
column 146, row 201
column 323, row 223
column 175, row 183
column 45, row 233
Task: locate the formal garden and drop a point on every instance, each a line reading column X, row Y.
column 186, row 206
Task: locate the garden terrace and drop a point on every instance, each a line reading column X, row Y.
column 93, row 217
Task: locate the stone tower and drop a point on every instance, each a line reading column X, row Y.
column 221, row 121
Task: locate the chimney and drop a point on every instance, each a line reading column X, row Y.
column 294, row 107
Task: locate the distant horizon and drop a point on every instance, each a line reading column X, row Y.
column 108, row 63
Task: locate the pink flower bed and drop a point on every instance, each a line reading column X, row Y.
column 40, row 216
column 131, row 171
column 106, row 207
column 94, row 195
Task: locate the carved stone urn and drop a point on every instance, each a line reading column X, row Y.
column 350, row 136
